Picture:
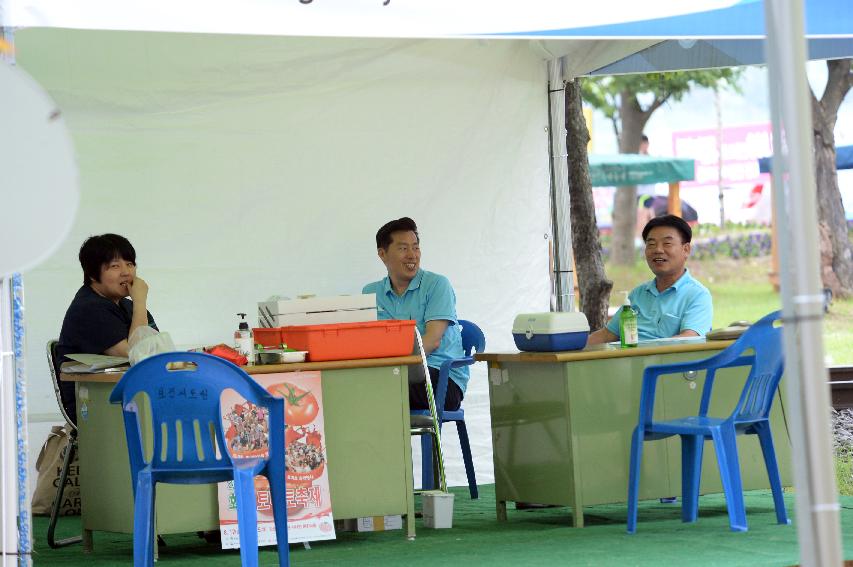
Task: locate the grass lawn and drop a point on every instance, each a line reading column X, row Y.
column 742, row 290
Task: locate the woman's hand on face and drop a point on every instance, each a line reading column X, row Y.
column 138, row 289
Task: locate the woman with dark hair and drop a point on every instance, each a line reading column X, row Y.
column 101, row 317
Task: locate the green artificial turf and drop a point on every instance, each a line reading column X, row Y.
column 529, row 537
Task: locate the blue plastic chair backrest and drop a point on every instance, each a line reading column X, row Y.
column 184, row 402
column 765, row 340
column 760, row 347
column 472, row 337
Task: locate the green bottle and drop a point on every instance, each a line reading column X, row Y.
column 628, row 335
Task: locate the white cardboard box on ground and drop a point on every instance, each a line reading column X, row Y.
column 317, row 310
column 380, row 523
column 373, row 523
column 437, row 509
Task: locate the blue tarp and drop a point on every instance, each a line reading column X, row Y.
column 843, row 160
column 726, row 37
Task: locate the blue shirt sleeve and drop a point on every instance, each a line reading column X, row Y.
column 613, row 325
column 440, row 302
column 698, row 313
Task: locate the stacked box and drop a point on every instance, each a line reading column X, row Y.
column 317, row 310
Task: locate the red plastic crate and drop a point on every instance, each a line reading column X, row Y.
column 347, row 341
column 269, row 337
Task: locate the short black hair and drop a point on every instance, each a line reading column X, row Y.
column 383, row 235
column 675, row 222
column 644, row 138
column 100, row 250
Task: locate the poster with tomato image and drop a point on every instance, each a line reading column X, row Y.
column 309, row 507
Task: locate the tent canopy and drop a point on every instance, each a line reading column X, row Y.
column 541, row 19
column 622, row 36
column 843, row 160
column 636, row 169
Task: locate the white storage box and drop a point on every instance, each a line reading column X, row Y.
column 317, row 310
column 549, row 332
column 437, row 509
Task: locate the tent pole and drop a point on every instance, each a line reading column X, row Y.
column 15, row 527
column 794, row 199
column 774, row 250
column 561, row 222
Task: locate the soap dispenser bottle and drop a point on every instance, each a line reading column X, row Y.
column 628, row 332
column 244, row 342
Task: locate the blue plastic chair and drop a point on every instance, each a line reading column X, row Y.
column 472, row 340
column 185, row 401
column 759, row 347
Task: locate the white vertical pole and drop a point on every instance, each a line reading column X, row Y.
column 24, row 524
column 561, row 222
column 802, row 301
column 8, row 432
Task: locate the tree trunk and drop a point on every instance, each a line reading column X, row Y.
column 594, row 285
column 633, row 119
column 831, row 216
column 836, row 250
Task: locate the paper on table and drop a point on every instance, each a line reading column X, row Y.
column 676, row 340
column 673, row 340
column 93, row 362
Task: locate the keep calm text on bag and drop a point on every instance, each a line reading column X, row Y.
column 49, row 468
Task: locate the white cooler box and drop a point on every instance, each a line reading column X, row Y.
column 549, row 332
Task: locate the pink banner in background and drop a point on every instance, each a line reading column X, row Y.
column 734, row 167
column 309, row 506
column 741, row 146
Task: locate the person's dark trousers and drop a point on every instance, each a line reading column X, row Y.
column 417, row 389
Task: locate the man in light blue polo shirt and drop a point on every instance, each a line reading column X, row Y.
column 408, row 292
column 673, row 304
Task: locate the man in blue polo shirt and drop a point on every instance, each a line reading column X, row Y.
column 673, row 304
column 408, row 292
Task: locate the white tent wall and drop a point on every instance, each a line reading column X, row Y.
column 242, row 167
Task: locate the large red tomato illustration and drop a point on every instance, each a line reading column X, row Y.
column 300, row 406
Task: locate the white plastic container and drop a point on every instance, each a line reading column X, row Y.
column 243, row 340
column 437, row 509
column 317, row 310
column 550, row 332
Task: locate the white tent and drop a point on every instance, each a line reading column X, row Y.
column 246, row 165
column 242, row 167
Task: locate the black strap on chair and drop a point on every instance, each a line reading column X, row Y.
column 70, row 451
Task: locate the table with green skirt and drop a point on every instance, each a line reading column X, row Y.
column 562, row 424
column 366, row 409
